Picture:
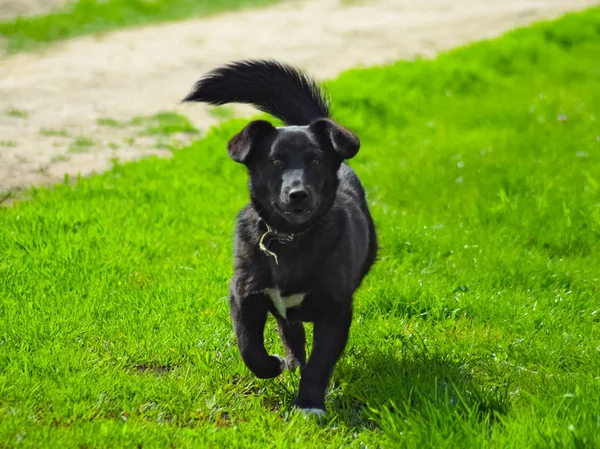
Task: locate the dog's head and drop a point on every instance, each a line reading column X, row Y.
column 293, row 169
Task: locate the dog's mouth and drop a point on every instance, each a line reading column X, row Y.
column 298, row 212
column 296, row 215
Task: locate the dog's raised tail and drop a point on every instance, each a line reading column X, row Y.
column 275, row 88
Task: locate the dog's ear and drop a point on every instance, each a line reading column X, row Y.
column 344, row 142
column 241, row 145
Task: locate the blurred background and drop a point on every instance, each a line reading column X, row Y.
column 78, row 80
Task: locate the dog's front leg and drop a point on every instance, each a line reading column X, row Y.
column 329, row 340
column 249, row 315
column 294, row 339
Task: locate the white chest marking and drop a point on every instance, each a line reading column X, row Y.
column 282, row 303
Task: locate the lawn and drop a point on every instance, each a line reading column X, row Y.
column 96, row 16
column 478, row 327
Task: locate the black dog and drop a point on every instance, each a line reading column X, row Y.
column 306, row 240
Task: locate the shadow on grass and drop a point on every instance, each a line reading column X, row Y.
column 394, row 390
column 404, row 389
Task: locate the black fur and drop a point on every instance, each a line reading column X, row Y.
column 274, row 88
column 307, row 208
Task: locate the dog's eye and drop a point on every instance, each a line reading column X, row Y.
column 276, row 162
column 315, row 162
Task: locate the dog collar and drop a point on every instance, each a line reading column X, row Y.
column 281, row 237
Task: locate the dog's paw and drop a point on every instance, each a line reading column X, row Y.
column 293, row 363
column 312, row 411
column 282, row 363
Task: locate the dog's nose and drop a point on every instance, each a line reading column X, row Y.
column 298, row 195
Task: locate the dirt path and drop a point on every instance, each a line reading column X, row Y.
column 49, row 100
column 9, row 9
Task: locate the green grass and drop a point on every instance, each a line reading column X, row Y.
column 479, row 326
column 96, row 16
column 8, row 143
column 54, row 132
column 18, row 113
column 109, row 122
column 81, row 144
column 60, row 158
column 221, row 112
column 164, row 123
